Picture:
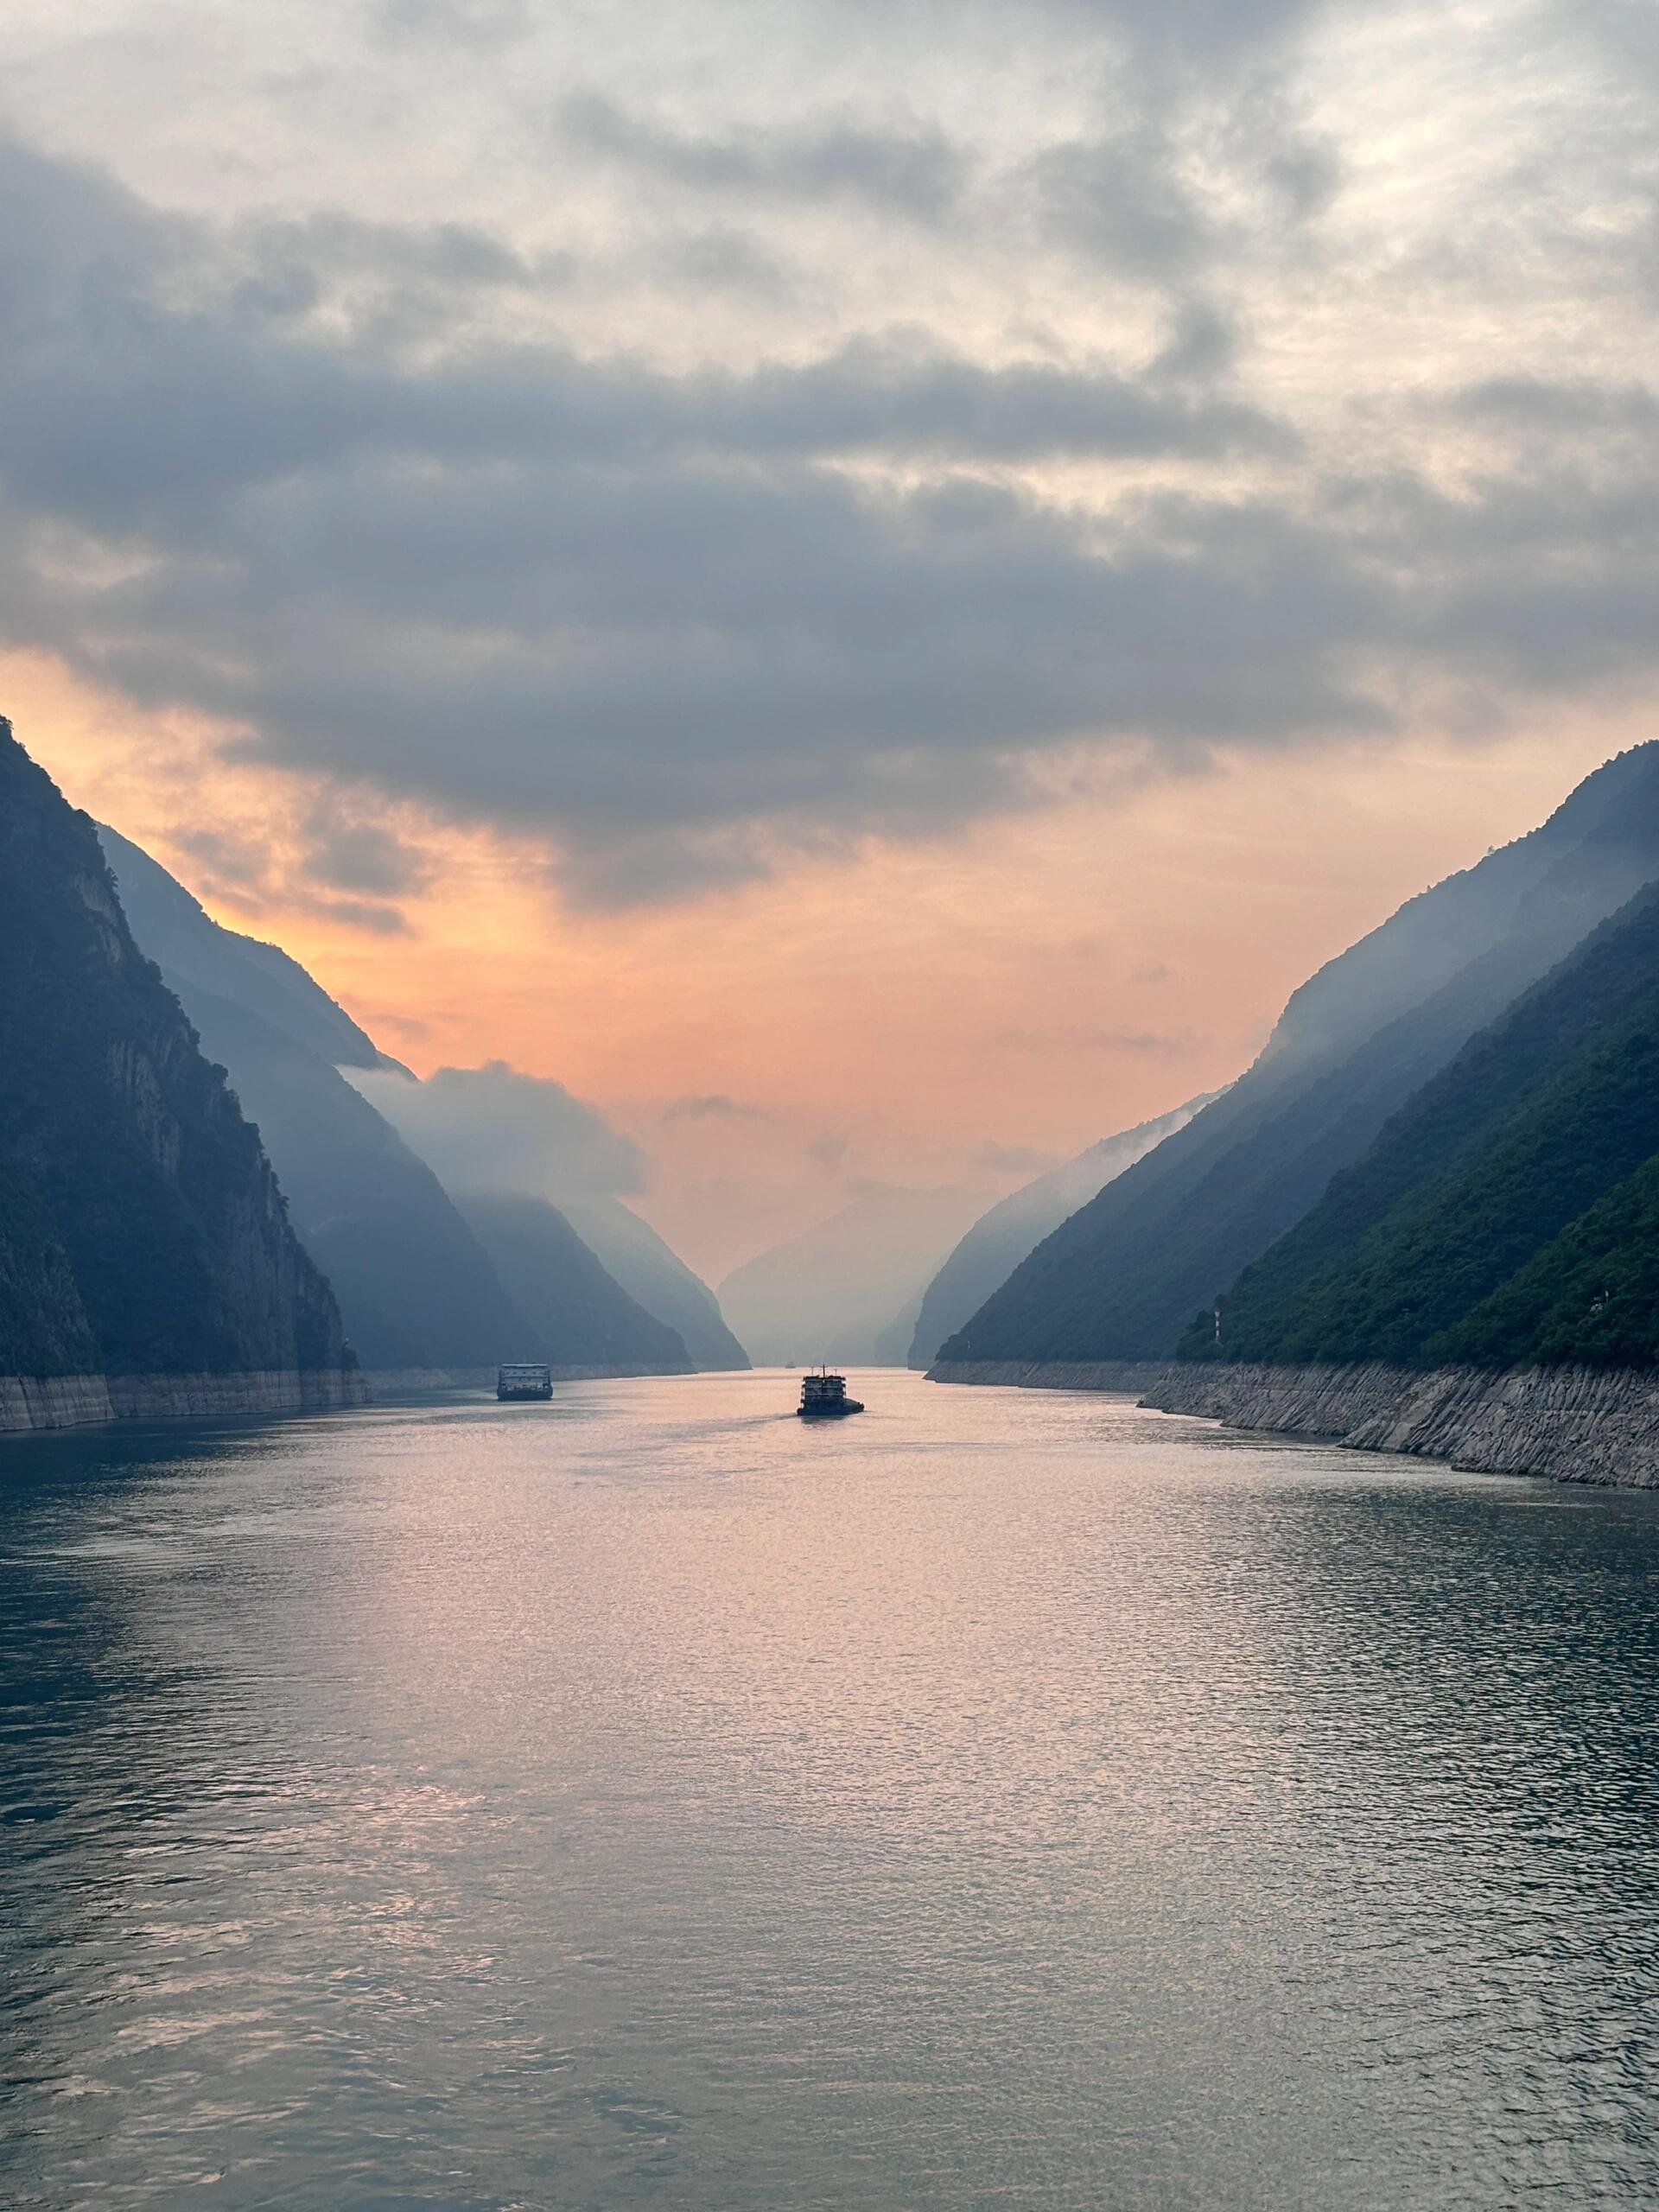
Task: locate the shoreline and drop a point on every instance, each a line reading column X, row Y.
column 30, row 1403
column 1587, row 1425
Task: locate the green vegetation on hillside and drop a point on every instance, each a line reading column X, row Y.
column 1121, row 1279
column 1503, row 1216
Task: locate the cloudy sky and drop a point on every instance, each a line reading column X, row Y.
column 869, row 585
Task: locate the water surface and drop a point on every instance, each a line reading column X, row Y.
column 1001, row 1799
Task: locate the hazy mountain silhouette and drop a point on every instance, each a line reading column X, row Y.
column 497, row 1129
column 834, row 1293
column 1122, row 1277
column 654, row 1274
column 564, row 1293
column 417, row 1286
column 180, row 935
column 1015, row 1225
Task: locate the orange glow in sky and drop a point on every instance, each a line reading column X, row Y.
column 956, row 1010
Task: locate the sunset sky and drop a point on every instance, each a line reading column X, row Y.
column 867, row 587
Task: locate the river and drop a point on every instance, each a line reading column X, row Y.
column 998, row 1799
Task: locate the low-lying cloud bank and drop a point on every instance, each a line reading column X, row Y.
column 493, row 1130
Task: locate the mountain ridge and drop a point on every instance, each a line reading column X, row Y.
column 1122, row 1278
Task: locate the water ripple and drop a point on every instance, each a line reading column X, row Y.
column 1004, row 1800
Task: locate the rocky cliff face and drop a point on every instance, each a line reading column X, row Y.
column 1576, row 1424
column 142, row 1230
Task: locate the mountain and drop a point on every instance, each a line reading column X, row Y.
column 655, row 1276
column 999, row 1240
column 1505, row 1216
column 142, row 1232
column 182, row 939
column 415, row 1286
column 833, row 1292
column 1122, row 1277
column 576, row 1312
column 418, row 1286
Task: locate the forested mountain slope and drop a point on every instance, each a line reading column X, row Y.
column 1123, row 1277
column 415, row 1282
column 1504, row 1215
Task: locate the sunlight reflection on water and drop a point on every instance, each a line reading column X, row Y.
column 1000, row 1799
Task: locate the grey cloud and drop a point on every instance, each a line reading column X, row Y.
column 1097, row 1037
column 493, row 1129
column 1157, row 1044
column 362, row 914
column 1203, row 343
column 915, row 170
column 227, row 864
column 1626, row 32
column 283, row 266
column 381, row 1018
column 656, row 620
column 1120, row 201
column 349, row 853
column 711, row 1106
column 124, row 408
column 1139, row 199
column 1542, row 406
column 484, row 24
column 708, row 261
column 241, row 870
column 1205, row 38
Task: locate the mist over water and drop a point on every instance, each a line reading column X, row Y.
column 1001, row 1799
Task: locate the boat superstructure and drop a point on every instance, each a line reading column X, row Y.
column 823, row 1397
column 523, row 1378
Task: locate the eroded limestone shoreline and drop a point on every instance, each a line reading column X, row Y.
column 1573, row 1423
column 78, row 1401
